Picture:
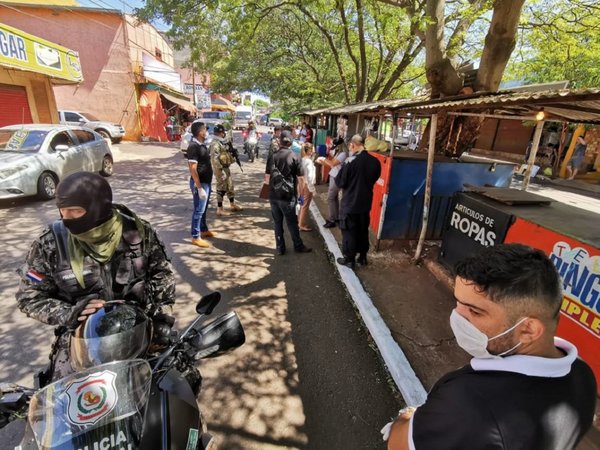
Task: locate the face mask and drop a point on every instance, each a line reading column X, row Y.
column 475, row 342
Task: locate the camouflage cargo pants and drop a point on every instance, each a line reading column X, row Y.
column 224, row 184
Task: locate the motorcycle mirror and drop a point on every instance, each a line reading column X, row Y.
column 208, row 302
column 218, row 337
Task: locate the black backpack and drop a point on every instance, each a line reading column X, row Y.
column 279, row 183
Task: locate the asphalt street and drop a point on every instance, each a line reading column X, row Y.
column 307, row 377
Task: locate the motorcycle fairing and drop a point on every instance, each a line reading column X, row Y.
column 100, row 407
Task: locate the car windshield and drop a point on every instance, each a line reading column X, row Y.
column 89, row 116
column 22, row 140
column 244, row 115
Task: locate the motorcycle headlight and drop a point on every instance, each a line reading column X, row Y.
column 10, row 171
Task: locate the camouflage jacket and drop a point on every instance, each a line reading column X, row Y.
column 139, row 271
column 220, row 155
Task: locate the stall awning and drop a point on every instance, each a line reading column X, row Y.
column 184, row 104
column 20, row 50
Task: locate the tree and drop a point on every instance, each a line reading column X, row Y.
column 307, row 52
column 457, row 134
column 559, row 41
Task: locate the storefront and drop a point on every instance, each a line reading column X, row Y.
column 163, row 112
column 29, row 67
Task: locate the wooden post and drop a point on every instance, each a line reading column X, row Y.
column 537, row 134
column 428, row 176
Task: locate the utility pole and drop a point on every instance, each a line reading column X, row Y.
column 193, row 83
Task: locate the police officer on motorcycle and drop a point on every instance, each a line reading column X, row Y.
column 99, row 251
column 251, row 141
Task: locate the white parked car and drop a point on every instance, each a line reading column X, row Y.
column 108, row 130
column 34, row 157
column 210, row 124
column 275, row 121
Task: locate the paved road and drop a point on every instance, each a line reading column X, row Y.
column 307, row 376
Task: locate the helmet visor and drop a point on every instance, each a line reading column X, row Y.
column 92, row 351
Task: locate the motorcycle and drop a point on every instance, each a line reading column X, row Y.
column 251, row 144
column 127, row 404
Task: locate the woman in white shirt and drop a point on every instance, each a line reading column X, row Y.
column 308, row 188
column 333, row 199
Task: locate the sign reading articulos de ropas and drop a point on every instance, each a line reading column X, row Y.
column 579, row 267
column 25, row 51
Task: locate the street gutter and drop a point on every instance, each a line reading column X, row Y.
column 404, row 376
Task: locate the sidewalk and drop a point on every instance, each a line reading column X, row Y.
column 414, row 304
column 574, row 186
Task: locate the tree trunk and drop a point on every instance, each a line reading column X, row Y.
column 457, row 134
column 499, row 44
column 440, row 73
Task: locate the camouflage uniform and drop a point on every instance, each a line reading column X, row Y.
column 221, row 160
column 139, row 271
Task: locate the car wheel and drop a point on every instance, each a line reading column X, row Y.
column 46, row 186
column 116, row 140
column 105, row 134
column 107, row 166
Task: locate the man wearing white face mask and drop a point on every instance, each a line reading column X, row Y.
column 524, row 387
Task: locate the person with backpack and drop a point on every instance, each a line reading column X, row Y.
column 285, row 176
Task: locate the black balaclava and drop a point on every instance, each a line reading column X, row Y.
column 89, row 191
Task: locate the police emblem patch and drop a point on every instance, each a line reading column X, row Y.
column 92, row 398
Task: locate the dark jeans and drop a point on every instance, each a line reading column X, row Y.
column 200, row 208
column 281, row 209
column 355, row 235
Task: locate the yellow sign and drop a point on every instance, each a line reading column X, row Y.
column 25, row 51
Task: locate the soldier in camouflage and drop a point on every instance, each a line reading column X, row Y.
column 97, row 252
column 222, row 159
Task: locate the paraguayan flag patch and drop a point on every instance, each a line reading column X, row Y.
column 35, row 277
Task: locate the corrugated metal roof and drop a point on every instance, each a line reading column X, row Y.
column 577, row 105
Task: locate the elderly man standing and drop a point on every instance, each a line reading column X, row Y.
column 356, row 179
column 524, row 387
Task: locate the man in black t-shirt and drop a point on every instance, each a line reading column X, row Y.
column 283, row 174
column 201, row 173
column 524, row 388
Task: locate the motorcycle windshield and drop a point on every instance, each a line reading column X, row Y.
column 101, row 407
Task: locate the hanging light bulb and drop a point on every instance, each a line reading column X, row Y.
column 540, row 115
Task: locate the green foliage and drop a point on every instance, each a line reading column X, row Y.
column 559, row 40
column 312, row 53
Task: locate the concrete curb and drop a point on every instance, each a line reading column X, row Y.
column 406, row 380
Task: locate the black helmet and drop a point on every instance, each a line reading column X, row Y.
column 218, row 129
column 113, row 333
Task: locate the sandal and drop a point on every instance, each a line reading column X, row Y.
column 305, row 229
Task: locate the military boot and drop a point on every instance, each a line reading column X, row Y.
column 222, row 212
column 235, row 207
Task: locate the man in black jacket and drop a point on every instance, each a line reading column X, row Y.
column 356, row 179
column 283, row 174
